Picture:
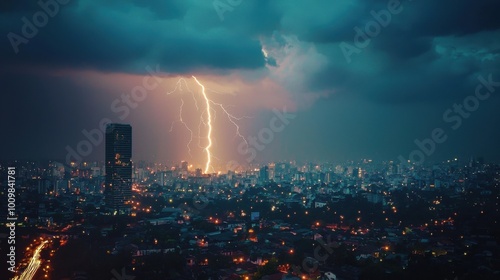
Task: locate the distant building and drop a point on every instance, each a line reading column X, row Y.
column 264, row 174
column 198, row 172
column 184, row 166
column 118, row 183
column 183, row 170
column 355, row 172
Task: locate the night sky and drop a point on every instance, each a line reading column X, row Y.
column 351, row 98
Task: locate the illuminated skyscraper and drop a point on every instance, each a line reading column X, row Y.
column 118, row 184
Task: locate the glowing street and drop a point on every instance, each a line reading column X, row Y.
column 33, row 265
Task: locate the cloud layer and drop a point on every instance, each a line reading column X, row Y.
column 280, row 52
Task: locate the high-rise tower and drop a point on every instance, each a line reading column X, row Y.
column 118, row 184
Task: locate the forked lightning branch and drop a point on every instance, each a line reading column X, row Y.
column 206, row 118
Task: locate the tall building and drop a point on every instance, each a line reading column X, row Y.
column 118, row 184
column 264, row 174
column 184, row 166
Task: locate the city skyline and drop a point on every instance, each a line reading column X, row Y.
column 358, row 220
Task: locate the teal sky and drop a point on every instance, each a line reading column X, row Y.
column 365, row 79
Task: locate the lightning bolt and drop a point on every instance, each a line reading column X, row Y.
column 207, row 118
column 232, row 119
column 179, row 86
column 185, row 125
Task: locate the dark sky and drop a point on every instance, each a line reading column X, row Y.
column 351, row 98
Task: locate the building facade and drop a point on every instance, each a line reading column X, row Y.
column 118, row 183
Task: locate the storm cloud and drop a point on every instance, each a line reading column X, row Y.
column 370, row 103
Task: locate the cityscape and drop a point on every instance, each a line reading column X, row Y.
column 284, row 220
column 235, row 139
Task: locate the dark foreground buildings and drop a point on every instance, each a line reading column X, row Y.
column 118, row 184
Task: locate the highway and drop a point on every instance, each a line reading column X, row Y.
column 33, row 265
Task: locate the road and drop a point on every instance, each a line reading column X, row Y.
column 33, row 265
